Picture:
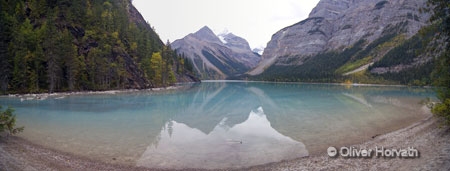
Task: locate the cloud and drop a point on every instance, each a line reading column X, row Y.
column 254, row 20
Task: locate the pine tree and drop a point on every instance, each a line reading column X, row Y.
column 68, row 52
column 156, row 65
column 60, row 45
column 8, row 121
column 5, row 58
column 23, row 48
column 52, row 47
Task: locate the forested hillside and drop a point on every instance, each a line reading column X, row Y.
column 366, row 41
column 64, row 45
column 390, row 59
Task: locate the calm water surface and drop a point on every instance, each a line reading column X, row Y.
column 216, row 124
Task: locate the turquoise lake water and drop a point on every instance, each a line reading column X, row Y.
column 216, row 124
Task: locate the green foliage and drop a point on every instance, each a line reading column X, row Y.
column 28, row 57
column 441, row 73
column 372, row 50
column 364, row 77
column 145, row 65
column 441, row 10
column 318, row 68
column 415, row 76
column 171, row 77
column 8, row 122
column 156, row 65
column 353, row 65
column 441, row 78
column 443, row 110
column 373, row 46
column 63, row 45
column 391, row 47
column 405, row 53
column 188, row 65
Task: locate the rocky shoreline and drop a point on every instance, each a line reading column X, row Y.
column 61, row 95
column 428, row 136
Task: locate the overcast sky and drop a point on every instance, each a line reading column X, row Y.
column 254, row 20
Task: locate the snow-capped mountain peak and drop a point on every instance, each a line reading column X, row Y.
column 222, row 35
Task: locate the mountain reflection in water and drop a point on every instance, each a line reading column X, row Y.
column 248, row 143
column 202, row 125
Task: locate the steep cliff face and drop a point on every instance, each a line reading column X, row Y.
column 334, row 25
column 214, row 57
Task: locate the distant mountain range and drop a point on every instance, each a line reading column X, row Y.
column 259, row 50
column 366, row 41
column 45, row 49
column 358, row 41
column 217, row 56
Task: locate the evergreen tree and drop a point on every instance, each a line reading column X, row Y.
column 51, row 46
column 71, row 64
column 8, row 122
column 60, row 45
column 156, row 65
column 441, row 74
column 27, row 56
column 5, row 35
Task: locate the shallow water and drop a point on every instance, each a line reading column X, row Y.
column 216, row 124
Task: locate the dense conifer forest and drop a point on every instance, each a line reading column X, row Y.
column 64, row 45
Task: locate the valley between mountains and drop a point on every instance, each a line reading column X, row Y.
column 369, row 41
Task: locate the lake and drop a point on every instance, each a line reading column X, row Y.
column 216, row 124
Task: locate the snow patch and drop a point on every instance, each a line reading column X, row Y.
column 222, row 35
column 222, row 39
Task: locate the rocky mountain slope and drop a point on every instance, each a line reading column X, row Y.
column 335, row 26
column 214, row 57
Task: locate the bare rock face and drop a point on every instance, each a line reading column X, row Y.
column 214, row 57
column 235, row 42
column 207, row 35
column 338, row 24
column 241, row 49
